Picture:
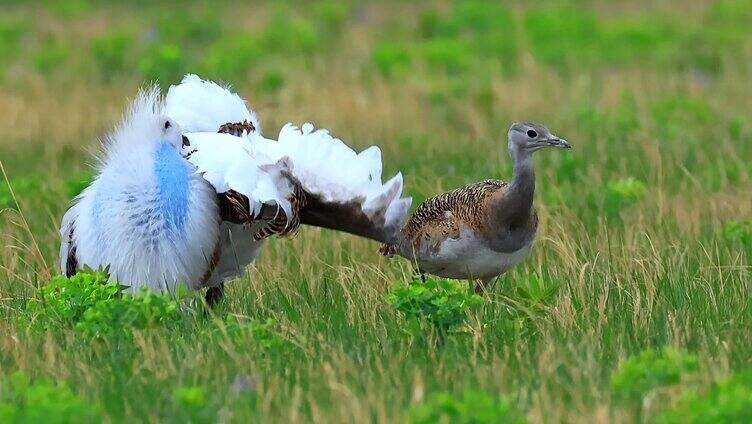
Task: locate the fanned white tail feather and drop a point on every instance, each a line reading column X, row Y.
column 324, row 165
column 202, row 105
column 328, row 168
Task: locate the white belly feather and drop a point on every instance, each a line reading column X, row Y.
column 467, row 257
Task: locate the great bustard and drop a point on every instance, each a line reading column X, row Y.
column 479, row 231
column 175, row 201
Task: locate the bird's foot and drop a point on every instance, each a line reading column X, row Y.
column 214, row 295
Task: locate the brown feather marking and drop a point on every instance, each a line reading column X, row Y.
column 441, row 217
column 279, row 224
column 235, row 207
column 237, row 128
column 71, row 262
column 441, row 228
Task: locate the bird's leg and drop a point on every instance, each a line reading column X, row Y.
column 420, row 274
column 214, row 295
column 482, row 284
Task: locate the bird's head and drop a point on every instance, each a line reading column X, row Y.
column 171, row 133
column 144, row 127
column 525, row 138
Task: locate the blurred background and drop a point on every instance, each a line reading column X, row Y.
column 391, row 72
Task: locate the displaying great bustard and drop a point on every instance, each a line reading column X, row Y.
column 483, row 229
column 188, row 189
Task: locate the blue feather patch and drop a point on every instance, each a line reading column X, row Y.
column 172, row 186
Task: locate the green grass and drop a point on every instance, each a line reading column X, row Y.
column 634, row 305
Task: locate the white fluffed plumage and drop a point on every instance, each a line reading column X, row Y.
column 205, row 105
column 126, row 218
column 148, row 215
column 226, row 161
column 307, row 153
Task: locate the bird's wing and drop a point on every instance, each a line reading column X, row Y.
column 442, row 216
column 250, row 188
column 202, row 105
column 245, row 180
column 435, row 231
column 343, row 188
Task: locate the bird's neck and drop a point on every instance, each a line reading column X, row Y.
column 513, row 208
column 523, row 180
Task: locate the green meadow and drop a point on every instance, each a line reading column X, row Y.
column 635, row 304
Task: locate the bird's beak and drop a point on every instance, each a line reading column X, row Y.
column 557, row 142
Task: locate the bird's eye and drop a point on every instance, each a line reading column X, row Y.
column 167, row 124
column 186, row 142
column 532, row 133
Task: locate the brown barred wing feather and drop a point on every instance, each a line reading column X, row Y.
column 277, row 220
column 441, row 217
column 235, row 207
column 238, row 129
column 434, row 232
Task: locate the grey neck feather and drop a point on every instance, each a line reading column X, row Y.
column 509, row 218
column 519, row 199
column 510, row 214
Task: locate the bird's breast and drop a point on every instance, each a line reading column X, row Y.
column 172, row 186
column 469, row 256
column 154, row 225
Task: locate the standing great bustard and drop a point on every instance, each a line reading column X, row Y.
column 188, row 190
column 481, row 230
